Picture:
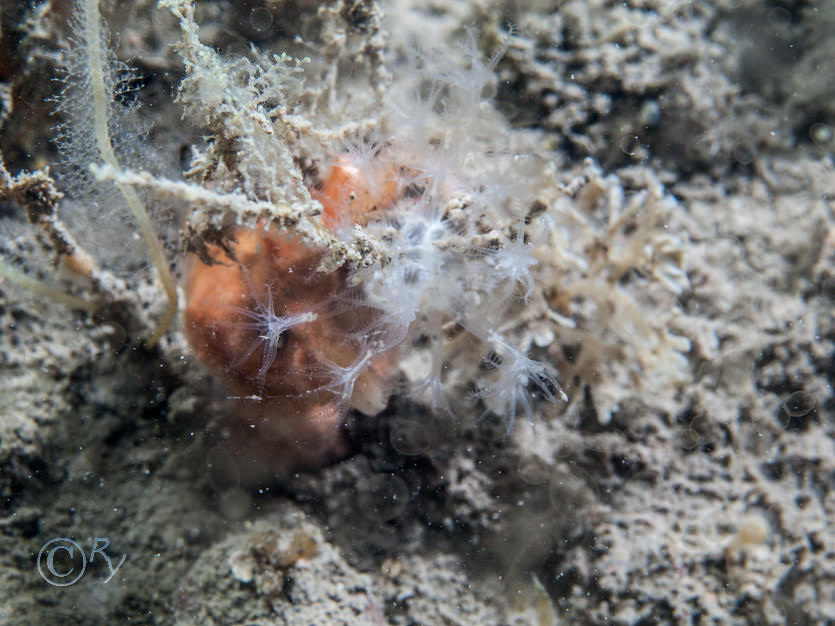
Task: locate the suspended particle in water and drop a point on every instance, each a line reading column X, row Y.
column 383, row 497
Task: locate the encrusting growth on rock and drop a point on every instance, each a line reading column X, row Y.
column 330, row 237
column 286, row 337
column 268, row 324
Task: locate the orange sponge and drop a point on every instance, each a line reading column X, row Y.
column 282, row 335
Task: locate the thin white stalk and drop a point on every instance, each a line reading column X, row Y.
column 41, row 288
column 101, row 99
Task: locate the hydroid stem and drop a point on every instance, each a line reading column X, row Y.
column 96, row 64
